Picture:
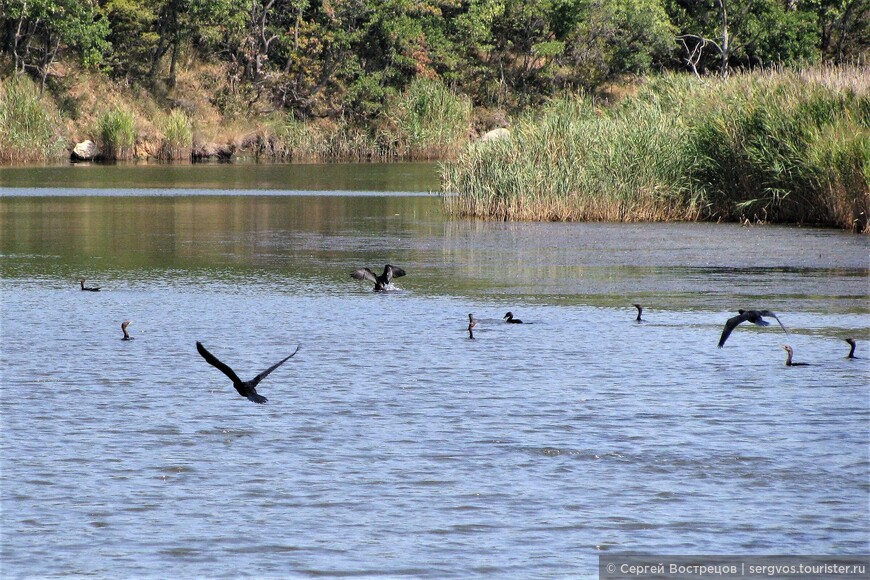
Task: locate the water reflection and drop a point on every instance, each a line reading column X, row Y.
column 312, row 237
column 202, row 231
column 236, row 178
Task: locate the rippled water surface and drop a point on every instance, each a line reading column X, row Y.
column 393, row 445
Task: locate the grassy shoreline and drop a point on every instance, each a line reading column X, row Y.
column 771, row 146
column 425, row 122
column 776, row 146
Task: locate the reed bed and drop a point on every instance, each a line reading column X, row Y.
column 29, row 125
column 776, row 146
column 427, row 121
column 283, row 138
column 177, row 138
column 117, row 134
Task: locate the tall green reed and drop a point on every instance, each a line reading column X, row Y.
column 29, row 127
column 779, row 146
column 426, row 121
column 116, row 133
column 177, row 139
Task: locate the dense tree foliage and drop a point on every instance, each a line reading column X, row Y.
column 320, row 58
column 35, row 31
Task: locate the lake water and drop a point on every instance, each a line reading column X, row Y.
column 392, row 445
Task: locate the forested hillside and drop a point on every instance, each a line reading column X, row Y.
column 348, row 57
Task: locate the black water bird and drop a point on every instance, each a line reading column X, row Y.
column 788, row 361
column 471, row 324
column 753, row 316
column 639, row 312
column 382, row 281
column 124, row 326
column 88, row 288
column 851, row 342
column 245, row 388
column 509, row 318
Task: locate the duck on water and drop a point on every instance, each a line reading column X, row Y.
column 788, row 361
column 88, row 288
column 851, row 342
column 639, row 312
column 509, row 318
column 471, row 324
column 383, row 281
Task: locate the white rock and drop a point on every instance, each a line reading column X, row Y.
column 84, row 151
column 496, row 134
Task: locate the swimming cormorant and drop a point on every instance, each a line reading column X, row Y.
column 471, row 324
column 509, row 317
column 639, row 312
column 245, row 388
column 382, row 281
column 88, row 288
column 753, row 316
column 851, row 342
column 788, row 362
column 124, row 326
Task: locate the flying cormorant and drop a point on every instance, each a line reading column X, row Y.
column 753, row 316
column 245, row 388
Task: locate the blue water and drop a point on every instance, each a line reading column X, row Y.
column 392, row 445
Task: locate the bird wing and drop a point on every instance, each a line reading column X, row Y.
column 771, row 314
column 730, row 325
column 213, row 361
column 256, row 380
column 397, row 272
column 364, row 274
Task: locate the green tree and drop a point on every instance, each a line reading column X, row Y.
column 614, row 37
column 725, row 33
column 132, row 37
column 525, row 50
column 843, row 27
column 38, row 31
